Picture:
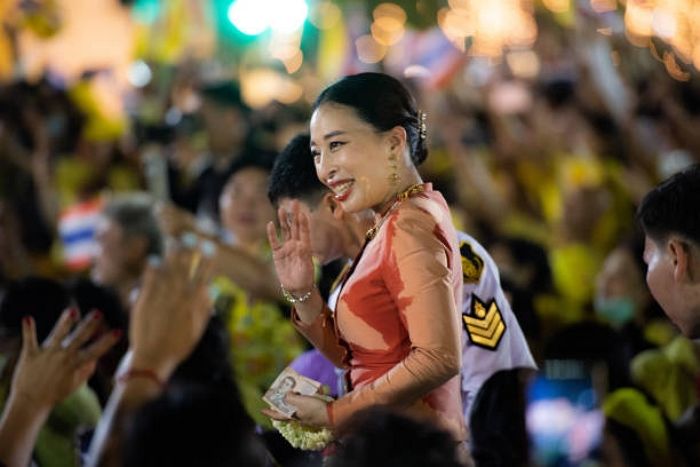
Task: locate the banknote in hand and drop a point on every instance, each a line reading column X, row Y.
column 289, row 380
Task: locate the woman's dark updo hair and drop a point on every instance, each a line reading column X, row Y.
column 381, row 101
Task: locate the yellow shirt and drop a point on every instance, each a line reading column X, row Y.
column 263, row 342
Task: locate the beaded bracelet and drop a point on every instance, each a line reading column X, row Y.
column 292, row 299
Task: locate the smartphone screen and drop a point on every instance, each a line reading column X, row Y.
column 563, row 416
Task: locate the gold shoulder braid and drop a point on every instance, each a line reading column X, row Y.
column 404, row 195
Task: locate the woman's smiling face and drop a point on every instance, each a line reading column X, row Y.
column 352, row 157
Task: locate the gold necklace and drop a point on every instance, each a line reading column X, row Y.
column 405, row 194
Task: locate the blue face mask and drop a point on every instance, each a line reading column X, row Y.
column 616, row 311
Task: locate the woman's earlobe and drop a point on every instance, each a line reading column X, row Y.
column 397, row 138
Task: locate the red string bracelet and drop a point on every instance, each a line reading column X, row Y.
column 141, row 373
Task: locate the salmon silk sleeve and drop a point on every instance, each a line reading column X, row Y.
column 323, row 335
column 419, row 278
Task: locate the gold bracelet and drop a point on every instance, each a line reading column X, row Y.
column 292, row 299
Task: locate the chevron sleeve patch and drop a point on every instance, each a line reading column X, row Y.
column 484, row 323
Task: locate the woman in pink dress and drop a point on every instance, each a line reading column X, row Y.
column 395, row 326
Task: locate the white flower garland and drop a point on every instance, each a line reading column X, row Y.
column 302, row 436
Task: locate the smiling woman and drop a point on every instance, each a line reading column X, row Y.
column 395, row 326
column 245, row 209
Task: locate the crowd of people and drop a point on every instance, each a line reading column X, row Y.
column 155, row 281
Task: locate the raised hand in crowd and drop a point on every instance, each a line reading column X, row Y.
column 172, row 310
column 245, row 269
column 45, row 375
column 167, row 321
column 175, row 221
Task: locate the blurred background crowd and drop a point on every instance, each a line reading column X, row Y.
column 123, row 123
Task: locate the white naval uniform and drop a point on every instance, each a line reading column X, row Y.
column 491, row 342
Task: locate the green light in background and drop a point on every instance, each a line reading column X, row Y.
column 253, row 17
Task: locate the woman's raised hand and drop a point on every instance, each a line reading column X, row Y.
column 48, row 373
column 292, row 252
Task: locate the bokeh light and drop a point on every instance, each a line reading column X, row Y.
column 249, row 16
column 490, row 27
column 253, row 17
column 368, row 50
column 139, row 74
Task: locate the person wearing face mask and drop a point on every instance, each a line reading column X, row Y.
column 622, row 301
column 618, row 295
column 395, row 327
column 623, row 325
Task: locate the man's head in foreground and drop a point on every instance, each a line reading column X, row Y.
column 670, row 217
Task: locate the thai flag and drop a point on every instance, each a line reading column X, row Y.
column 427, row 56
column 76, row 227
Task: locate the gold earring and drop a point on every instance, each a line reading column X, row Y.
column 394, row 166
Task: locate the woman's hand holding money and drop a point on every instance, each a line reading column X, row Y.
column 310, row 410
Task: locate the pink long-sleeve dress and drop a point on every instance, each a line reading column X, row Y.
column 395, row 325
